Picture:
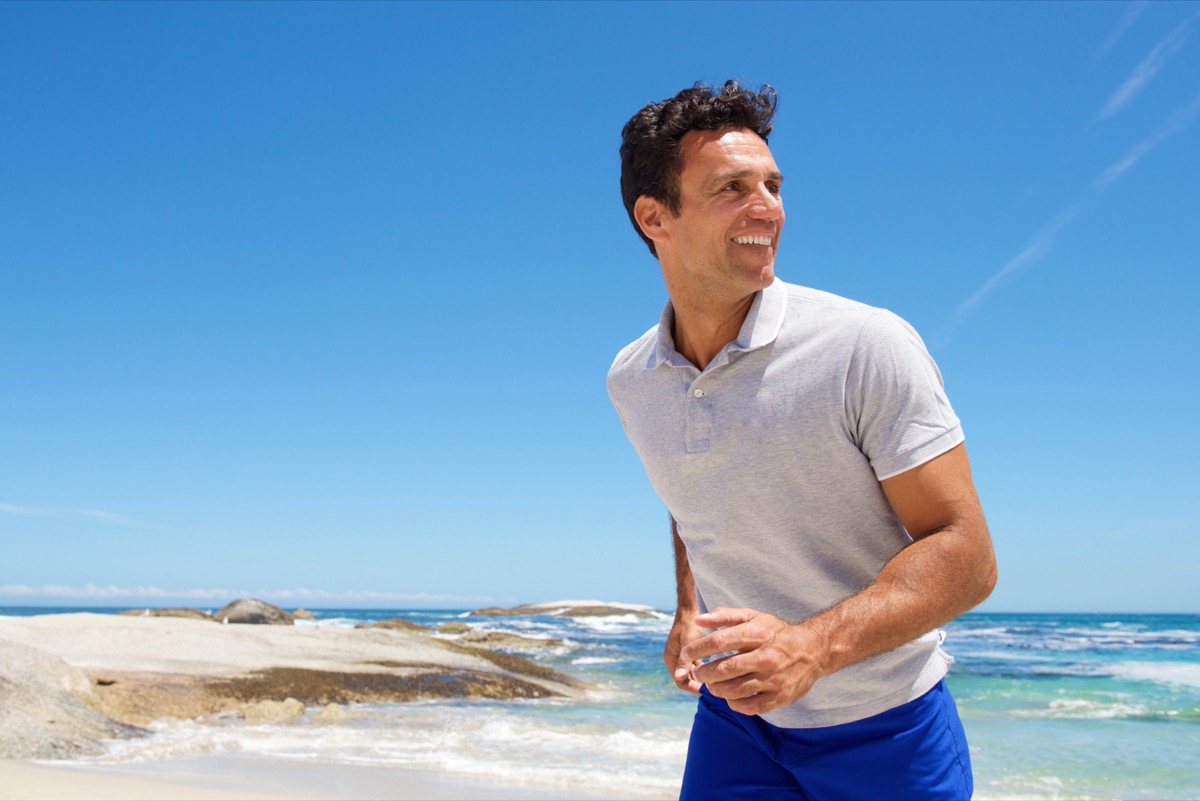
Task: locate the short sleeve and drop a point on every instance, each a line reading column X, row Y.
column 896, row 407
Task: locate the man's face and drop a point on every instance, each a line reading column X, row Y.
column 723, row 241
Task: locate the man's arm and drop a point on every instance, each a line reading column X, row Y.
column 947, row 569
column 685, row 629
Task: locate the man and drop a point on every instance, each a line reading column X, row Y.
column 823, row 513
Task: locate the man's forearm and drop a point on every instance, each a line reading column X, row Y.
column 929, row 583
column 684, row 630
column 685, row 585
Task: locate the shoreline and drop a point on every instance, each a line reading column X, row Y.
column 227, row 777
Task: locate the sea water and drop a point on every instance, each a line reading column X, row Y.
column 1055, row 707
column 1080, row 706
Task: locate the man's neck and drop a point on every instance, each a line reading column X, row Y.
column 702, row 330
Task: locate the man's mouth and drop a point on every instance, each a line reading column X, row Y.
column 753, row 240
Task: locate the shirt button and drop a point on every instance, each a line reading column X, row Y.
column 699, row 393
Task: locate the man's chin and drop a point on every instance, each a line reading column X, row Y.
column 763, row 275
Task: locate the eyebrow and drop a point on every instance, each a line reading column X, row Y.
column 775, row 175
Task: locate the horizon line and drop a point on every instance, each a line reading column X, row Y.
column 460, row 609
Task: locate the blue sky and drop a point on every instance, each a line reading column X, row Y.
column 315, row 301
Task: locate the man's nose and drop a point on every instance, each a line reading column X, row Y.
column 766, row 205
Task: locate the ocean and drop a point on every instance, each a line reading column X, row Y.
column 1056, row 706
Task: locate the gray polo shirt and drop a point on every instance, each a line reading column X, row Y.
column 770, row 461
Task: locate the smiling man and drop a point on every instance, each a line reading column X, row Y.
column 822, row 509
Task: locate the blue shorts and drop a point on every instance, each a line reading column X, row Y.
column 915, row 751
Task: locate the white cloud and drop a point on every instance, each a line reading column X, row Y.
column 11, row 509
column 66, row 514
column 111, row 592
column 1178, row 120
column 1145, row 71
column 1132, row 12
column 1042, row 242
column 1031, row 254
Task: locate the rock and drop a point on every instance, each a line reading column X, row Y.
column 453, row 627
column 250, row 610
column 499, row 611
column 147, row 670
column 574, row 609
column 321, row 688
column 502, row 639
column 397, row 624
column 272, row 711
column 42, row 710
column 141, row 698
column 605, row 611
column 331, row 713
column 303, row 614
column 177, row 611
column 514, row 664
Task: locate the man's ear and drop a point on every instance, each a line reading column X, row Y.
column 650, row 213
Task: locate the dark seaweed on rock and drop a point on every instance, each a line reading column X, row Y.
column 396, row 624
column 320, row 687
column 515, row 664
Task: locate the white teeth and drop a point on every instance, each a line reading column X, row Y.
column 752, row 240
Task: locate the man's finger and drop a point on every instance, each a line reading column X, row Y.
column 723, row 617
column 724, row 640
column 684, row 679
column 726, row 669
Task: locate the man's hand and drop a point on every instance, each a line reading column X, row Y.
column 776, row 662
column 684, row 631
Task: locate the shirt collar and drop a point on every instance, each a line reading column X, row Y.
column 761, row 326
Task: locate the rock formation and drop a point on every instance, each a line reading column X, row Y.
column 573, row 609
column 42, row 712
column 250, row 610
column 503, row 639
column 396, row 624
column 69, row 680
column 177, row 611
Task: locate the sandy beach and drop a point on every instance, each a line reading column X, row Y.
column 29, row 781
column 69, row 682
column 225, row 778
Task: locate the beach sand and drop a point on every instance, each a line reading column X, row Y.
column 29, row 781
column 230, row 777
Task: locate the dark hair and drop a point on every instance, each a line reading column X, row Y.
column 650, row 157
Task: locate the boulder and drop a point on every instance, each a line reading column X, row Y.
column 176, row 611
column 453, row 627
column 303, row 614
column 272, row 711
column 42, row 710
column 396, row 624
column 505, row 640
column 574, row 609
column 250, row 610
column 331, row 713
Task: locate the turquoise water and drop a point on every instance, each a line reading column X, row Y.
column 1055, row 707
column 1080, row 706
